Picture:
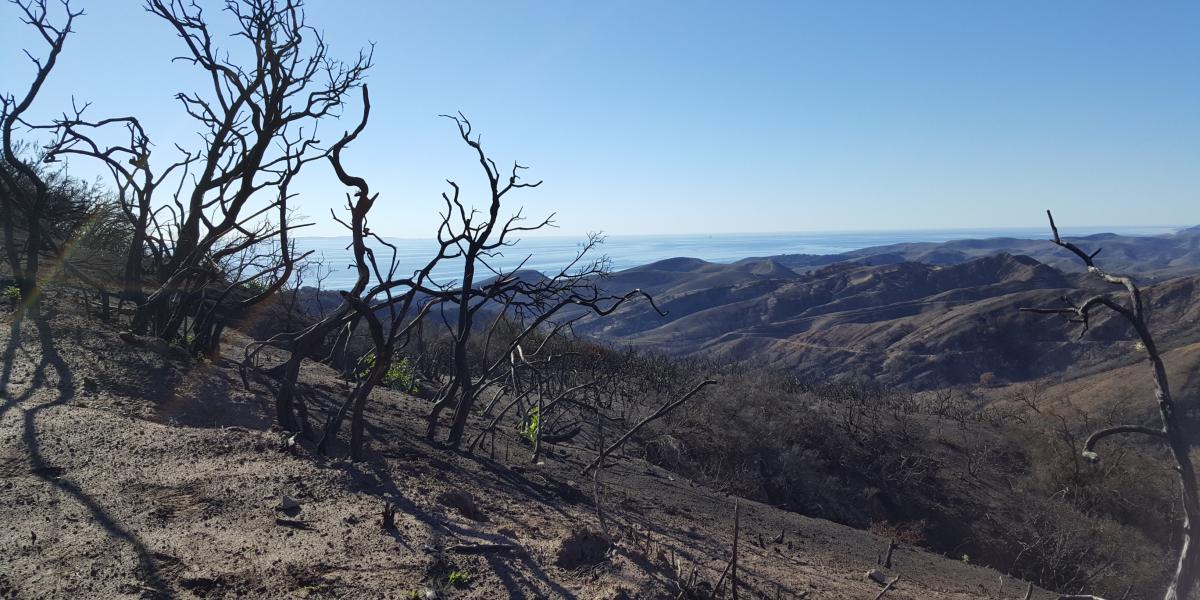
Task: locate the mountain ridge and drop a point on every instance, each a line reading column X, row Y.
column 906, row 323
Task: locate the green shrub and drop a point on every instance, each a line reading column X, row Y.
column 531, row 429
column 458, row 578
column 400, row 374
column 11, row 294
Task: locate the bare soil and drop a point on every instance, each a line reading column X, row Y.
column 136, row 471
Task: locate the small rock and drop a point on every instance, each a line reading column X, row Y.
column 582, row 547
column 877, row 576
column 463, row 502
column 287, row 503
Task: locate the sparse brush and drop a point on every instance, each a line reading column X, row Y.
column 400, row 374
column 11, row 295
column 458, row 578
column 531, row 428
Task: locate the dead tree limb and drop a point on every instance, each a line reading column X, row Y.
column 887, row 587
column 1187, row 571
column 731, row 566
column 257, row 118
column 663, row 410
column 482, row 548
column 596, row 479
column 737, row 525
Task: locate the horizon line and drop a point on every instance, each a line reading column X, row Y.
column 1114, row 229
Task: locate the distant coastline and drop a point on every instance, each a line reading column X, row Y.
column 549, row 253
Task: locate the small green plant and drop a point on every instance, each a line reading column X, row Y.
column 966, row 559
column 11, row 294
column 531, row 429
column 458, row 578
column 399, row 376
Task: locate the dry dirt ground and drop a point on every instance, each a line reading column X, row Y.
column 135, row 471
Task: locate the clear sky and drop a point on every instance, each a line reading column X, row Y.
column 707, row 117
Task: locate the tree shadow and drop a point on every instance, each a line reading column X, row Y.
column 375, row 476
column 52, row 360
column 523, row 569
column 10, row 360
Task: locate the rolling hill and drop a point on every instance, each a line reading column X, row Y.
column 907, row 323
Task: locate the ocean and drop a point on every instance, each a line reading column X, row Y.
column 551, row 253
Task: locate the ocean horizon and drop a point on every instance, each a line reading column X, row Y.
column 550, row 253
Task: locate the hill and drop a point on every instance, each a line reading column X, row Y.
column 924, row 326
column 1152, row 257
column 136, row 471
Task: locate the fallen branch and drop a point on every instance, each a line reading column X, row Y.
column 483, row 548
column 887, row 587
column 666, row 408
column 1090, row 446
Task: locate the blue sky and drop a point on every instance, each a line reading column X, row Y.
column 706, row 117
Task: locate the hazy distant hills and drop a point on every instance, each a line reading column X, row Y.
column 920, row 315
column 1150, row 257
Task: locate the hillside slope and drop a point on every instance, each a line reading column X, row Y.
column 1152, row 257
column 133, row 471
column 918, row 325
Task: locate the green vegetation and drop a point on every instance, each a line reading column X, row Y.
column 11, row 294
column 401, row 374
column 458, row 578
column 531, row 428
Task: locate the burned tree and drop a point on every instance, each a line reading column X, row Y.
column 305, row 343
column 384, row 302
column 392, row 297
column 390, row 307
column 134, row 183
column 229, row 197
column 27, row 198
column 1171, row 431
column 533, row 299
